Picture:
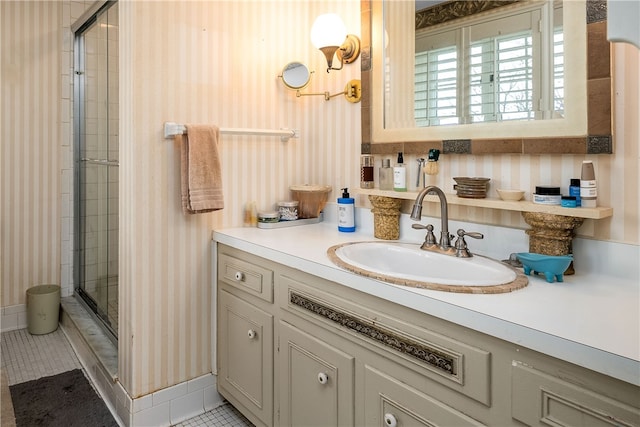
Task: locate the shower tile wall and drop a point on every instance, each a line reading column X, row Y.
column 71, row 12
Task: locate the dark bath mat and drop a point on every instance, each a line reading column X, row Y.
column 66, row 399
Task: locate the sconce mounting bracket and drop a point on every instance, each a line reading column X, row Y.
column 350, row 49
column 353, row 91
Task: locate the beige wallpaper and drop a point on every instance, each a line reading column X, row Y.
column 30, row 87
column 213, row 62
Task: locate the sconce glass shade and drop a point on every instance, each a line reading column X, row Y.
column 328, row 30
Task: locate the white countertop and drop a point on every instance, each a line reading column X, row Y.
column 590, row 320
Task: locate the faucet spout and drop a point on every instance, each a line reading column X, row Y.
column 416, row 213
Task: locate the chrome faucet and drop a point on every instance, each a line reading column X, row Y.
column 444, row 244
column 459, row 249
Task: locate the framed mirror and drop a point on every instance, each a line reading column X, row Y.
column 395, row 94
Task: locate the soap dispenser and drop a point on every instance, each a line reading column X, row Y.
column 346, row 212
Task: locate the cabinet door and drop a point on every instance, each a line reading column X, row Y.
column 539, row 399
column 245, row 356
column 316, row 381
column 391, row 403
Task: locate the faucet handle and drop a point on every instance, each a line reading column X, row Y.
column 461, row 233
column 430, row 238
column 461, row 244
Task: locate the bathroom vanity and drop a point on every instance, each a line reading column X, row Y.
column 301, row 341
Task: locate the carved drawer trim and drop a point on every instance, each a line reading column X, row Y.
column 446, row 362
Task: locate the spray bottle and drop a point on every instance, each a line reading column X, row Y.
column 400, row 175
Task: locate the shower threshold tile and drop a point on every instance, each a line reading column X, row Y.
column 85, row 325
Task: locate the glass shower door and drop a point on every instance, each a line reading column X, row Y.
column 96, row 265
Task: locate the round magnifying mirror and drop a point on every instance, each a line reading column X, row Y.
column 295, row 75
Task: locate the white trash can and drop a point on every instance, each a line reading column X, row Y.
column 43, row 309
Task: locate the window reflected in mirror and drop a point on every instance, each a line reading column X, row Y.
column 505, row 66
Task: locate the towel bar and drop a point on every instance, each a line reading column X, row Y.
column 171, row 129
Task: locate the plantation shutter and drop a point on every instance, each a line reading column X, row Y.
column 487, row 72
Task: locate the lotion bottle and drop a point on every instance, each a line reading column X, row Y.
column 346, row 212
column 588, row 186
column 400, row 175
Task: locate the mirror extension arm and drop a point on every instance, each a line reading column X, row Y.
column 352, row 92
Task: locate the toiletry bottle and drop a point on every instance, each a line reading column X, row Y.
column 400, row 175
column 250, row 218
column 254, row 215
column 246, row 218
column 346, row 212
column 588, row 187
column 574, row 190
column 386, row 175
column 366, row 171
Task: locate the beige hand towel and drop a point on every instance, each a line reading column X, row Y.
column 201, row 175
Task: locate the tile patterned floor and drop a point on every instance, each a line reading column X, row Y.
column 25, row 357
column 225, row 415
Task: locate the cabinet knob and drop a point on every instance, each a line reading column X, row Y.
column 390, row 420
column 239, row 276
column 323, row 378
column 251, row 334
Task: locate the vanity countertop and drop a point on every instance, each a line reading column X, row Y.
column 590, row 320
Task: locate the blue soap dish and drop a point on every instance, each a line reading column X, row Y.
column 549, row 265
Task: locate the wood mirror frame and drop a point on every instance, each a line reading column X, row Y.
column 599, row 109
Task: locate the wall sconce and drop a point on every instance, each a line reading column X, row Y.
column 296, row 75
column 329, row 34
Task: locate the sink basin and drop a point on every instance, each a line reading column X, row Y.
column 407, row 264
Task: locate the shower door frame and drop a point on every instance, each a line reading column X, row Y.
column 86, row 21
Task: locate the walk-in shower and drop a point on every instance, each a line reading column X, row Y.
column 96, row 163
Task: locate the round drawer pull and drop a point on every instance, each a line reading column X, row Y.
column 251, row 334
column 239, row 276
column 390, row 420
column 323, row 378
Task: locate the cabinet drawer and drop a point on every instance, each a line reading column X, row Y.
column 245, row 356
column 450, row 362
column 249, row 277
column 389, row 402
column 539, row 399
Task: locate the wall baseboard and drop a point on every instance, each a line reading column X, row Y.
column 171, row 405
column 13, row 317
column 164, row 407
